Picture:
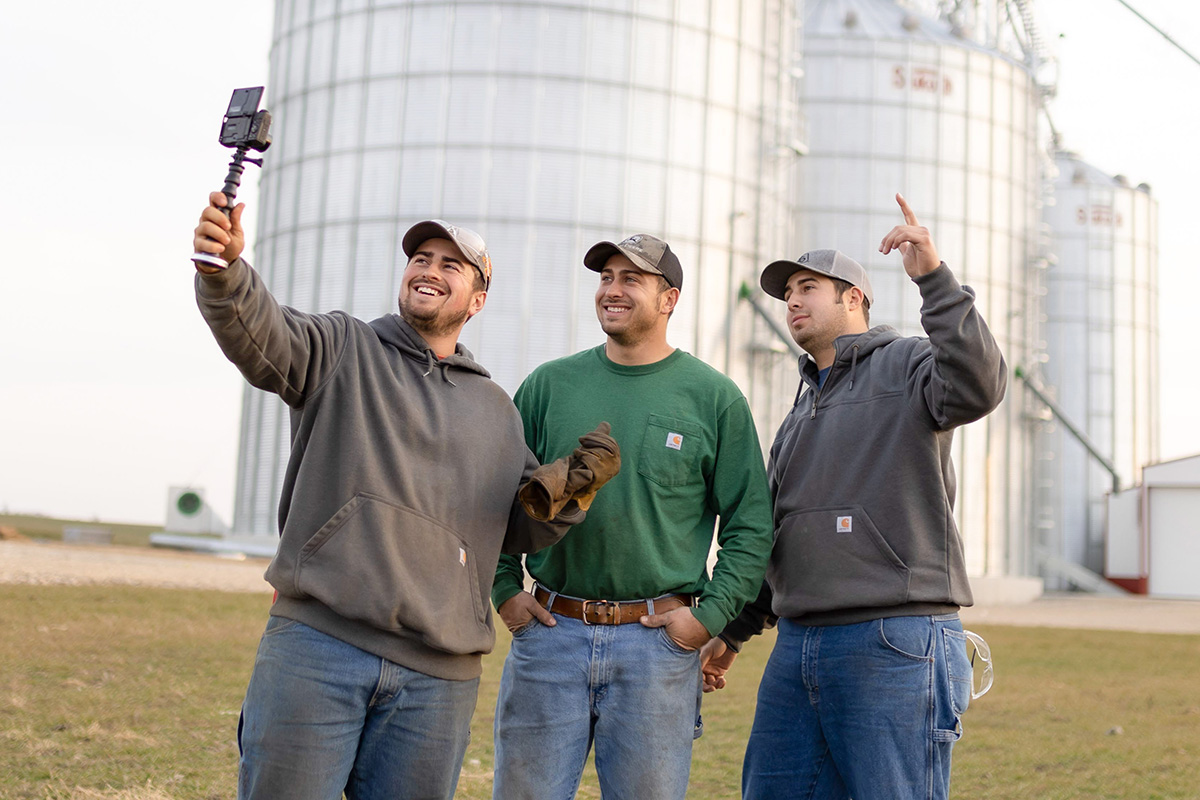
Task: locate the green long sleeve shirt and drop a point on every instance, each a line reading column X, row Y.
column 689, row 457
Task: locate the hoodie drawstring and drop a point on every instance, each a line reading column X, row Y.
column 853, row 365
column 432, row 363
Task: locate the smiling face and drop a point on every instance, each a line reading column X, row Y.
column 632, row 305
column 438, row 292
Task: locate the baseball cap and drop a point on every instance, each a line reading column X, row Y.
column 648, row 253
column 831, row 263
column 469, row 242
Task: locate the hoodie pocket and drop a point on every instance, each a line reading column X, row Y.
column 834, row 558
column 399, row 571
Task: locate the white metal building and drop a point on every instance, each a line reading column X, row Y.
column 546, row 126
column 1153, row 540
column 899, row 101
column 1102, row 349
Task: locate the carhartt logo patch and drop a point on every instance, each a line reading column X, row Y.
column 845, row 524
column 462, row 556
column 675, row 441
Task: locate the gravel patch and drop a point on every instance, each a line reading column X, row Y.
column 53, row 563
column 1135, row 613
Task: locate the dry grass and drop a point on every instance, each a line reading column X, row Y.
column 117, row 693
column 1078, row 714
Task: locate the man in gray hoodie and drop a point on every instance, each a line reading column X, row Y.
column 869, row 675
column 398, row 498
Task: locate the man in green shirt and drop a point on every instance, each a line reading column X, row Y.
column 605, row 648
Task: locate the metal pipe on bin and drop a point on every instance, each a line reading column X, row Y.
column 1079, row 435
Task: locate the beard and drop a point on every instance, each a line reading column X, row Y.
column 818, row 335
column 636, row 328
column 627, row 335
column 433, row 322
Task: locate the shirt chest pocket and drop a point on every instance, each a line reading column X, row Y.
column 671, row 451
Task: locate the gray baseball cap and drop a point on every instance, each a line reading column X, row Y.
column 832, row 263
column 468, row 241
column 648, row 253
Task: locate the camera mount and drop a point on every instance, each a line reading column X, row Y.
column 244, row 128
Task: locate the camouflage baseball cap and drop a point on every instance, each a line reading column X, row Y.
column 648, row 253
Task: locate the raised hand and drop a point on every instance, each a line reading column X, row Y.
column 914, row 243
column 218, row 233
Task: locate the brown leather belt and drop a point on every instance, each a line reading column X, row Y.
column 608, row 612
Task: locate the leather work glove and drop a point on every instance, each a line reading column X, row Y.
column 594, row 463
column 575, row 477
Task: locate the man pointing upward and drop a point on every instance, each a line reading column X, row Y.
column 869, row 676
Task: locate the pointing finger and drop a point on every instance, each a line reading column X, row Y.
column 909, row 216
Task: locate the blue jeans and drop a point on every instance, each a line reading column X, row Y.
column 865, row 711
column 322, row 717
column 629, row 689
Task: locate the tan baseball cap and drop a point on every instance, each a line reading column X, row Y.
column 468, row 241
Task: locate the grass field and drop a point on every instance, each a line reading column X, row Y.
column 117, row 693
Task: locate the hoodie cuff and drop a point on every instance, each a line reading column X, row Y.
column 739, row 631
column 730, row 642
column 220, row 285
column 941, row 278
column 570, row 514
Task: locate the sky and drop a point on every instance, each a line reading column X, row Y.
column 111, row 388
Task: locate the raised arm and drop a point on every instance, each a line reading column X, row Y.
column 277, row 349
column 962, row 377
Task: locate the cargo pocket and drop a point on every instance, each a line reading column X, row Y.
column 671, row 450
column 397, row 570
column 827, row 557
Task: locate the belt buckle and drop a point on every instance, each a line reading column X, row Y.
column 608, row 605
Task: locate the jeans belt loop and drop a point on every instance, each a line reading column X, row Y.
column 553, row 595
column 650, row 606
